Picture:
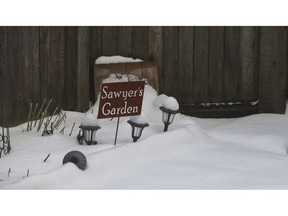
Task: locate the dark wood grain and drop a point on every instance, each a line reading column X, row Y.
column 155, row 49
column 109, row 40
column 185, row 80
column 273, row 70
column 231, row 64
column 170, row 61
column 216, row 64
column 140, row 42
column 201, row 63
column 124, row 41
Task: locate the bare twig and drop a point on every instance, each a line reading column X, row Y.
column 72, row 129
column 9, row 171
column 62, row 130
column 49, row 119
column 39, row 112
column 48, row 105
column 27, row 173
column 41, row 120
column 47, row 157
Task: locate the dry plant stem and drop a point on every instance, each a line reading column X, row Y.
column 41, row 121
column 62, row 130
column 48, row 105
column 39, row 112
column 49, row 119
column 72, row 129
column 33, row 116
column 29, row 116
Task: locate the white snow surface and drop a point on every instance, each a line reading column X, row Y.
column 140, row 119
column 195, row 153
column 115, row 59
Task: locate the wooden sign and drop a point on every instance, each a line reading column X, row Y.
column 121, row 99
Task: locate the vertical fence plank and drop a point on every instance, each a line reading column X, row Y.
column 231, row 64
column 185, row 84
column 109, row 41
column 28, row 67
column 201, row 60
column 2, row 71
column 55, row 72
column 71, row 68
column 140, row 42
column 94, row 52
column 124, row 41
column 170, row 61
column 83, row 69
column 273, row 70
column 216, row 64
column 45, row 62
column 155, row 48
column 11, row 78
column 248, row 64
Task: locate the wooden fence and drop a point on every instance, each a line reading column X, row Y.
column 200, row 66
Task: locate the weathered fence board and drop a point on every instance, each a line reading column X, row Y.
column 155, row 48
column 247, row 76
column 197, row 65
column 273, row 69
column 186, row 47
column 83, row 69
column 231, row 64
column 170, row 61
column 201, row 63
column 11, row 82
column 216, row 64
column 3, row 71
column 124, row 41
column 109, row 41
column 71, row 49
column 140, row 42
column 95, row 42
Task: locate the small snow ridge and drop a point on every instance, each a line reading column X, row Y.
column 140, row 119
column 115, row 59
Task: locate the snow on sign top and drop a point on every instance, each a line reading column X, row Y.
column 121, row 99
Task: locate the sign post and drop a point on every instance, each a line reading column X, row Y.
column 120, row 99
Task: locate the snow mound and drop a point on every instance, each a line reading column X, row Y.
column 158, row 102
column 171, row 103
column 115, row 59
column 89, row 120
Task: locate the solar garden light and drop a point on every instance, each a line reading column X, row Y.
column 88, row 129
column 138, row 123
column 169, row 109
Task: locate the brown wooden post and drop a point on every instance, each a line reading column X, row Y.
column 273, row 70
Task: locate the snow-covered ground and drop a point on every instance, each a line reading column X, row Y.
column 195, row 153
column 242, row 153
